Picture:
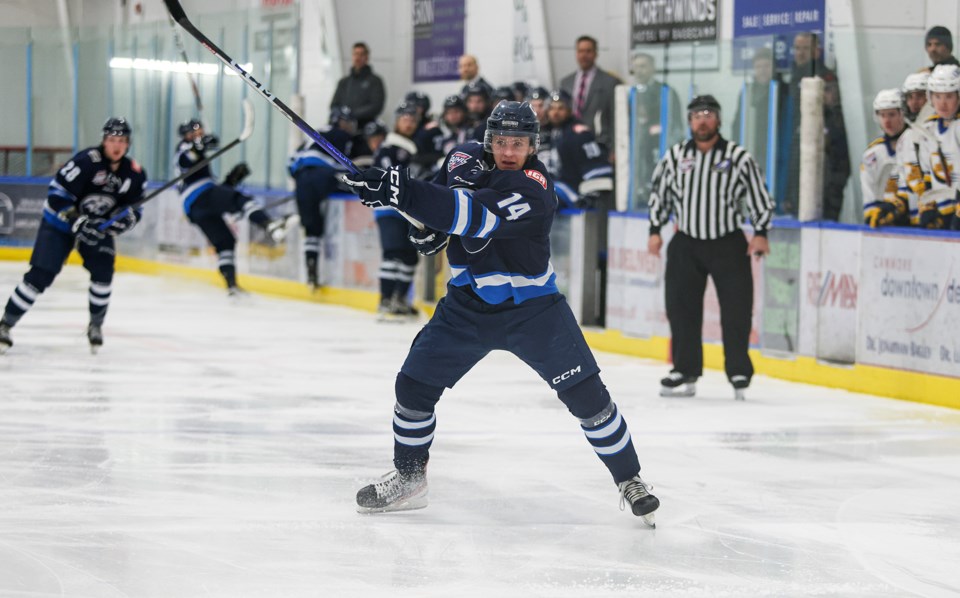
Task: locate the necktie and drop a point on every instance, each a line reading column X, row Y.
column 581, row 95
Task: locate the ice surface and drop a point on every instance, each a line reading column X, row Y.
column 214, row 448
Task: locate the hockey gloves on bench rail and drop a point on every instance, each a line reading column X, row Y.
column 378, row 187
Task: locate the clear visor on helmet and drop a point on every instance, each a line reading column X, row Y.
column 490, row 134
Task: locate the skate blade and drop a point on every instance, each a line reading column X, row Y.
column 411, row 504
column 650, row 519
column 94, row 349
column 739, row 395
column 688, row 390
column 3, row 348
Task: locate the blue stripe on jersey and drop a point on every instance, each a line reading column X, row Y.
column 51, row 217
column 567, row 196
column 490, row 223
column 597, row 172
column 379, row 213
column 312, row 159
column 191, row 193
column 872, row 204
column 57, row 189
column 497, row 287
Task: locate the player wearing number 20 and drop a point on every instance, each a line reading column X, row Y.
column 95, row 184
column 496, row 203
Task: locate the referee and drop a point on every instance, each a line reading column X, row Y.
column 706, row 181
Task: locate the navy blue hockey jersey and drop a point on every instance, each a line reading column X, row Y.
column 192, row 187
column 311, row 155
column 500, row 220
column 86, row 186
column 576, row 161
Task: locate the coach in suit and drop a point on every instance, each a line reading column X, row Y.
column 592, row 91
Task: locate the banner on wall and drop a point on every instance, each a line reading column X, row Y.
column 659, row 22
column 829, row 284
column 437, row 39
column 761, row 23
column 21, row 206
column 912, row 317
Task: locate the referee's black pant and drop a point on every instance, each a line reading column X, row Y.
column 689, row 262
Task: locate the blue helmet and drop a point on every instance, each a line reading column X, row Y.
column 341, row 113
column 418, row 99
column 512, row 119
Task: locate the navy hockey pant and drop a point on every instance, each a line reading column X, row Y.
column 689, row 262
column 398, row 260
column 50, row 251
column 314, row 185
column 544, row 334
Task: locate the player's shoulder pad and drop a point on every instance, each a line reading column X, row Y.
column 91, row 155
column 875, row 142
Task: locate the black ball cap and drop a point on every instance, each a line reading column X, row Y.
column 707, row 102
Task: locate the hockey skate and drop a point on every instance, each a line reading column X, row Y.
column 677, row 384
column 95, row 336
column 740, row 384
column 5, row 341
column 643, row 504
column 394, row 492
column 313, row 276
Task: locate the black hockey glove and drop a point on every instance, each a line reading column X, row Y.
column 127, row 220
column 930, row 216
column 210, row 141
column 884, row 214
column 379, row 188
column 88, row 230
column 427, row 242
column 237, row 174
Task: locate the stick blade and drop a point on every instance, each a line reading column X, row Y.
column 175, row 10
column 247, row 120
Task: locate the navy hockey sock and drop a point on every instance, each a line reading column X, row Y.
column 99, row 302
column 413, row 435
column 227, row 267
column 608, row 434
column 34, row 282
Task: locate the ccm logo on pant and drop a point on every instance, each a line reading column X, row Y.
column 566, row 375
column 395, row 186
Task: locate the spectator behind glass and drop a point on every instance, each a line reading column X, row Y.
column 470, row 74
column 592, row 90
column 361, row 90
column 807, row 62
column 649, row 126
column 939, row 46
column 756, row 125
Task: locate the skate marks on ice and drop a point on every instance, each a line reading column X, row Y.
column 215, row 448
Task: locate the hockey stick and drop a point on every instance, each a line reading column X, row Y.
column 244, row 134
column 183, row 54
column 279, row 202
column 178, row 14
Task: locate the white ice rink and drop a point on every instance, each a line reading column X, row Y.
column 214, row 448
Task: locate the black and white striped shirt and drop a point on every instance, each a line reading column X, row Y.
column 707, row 190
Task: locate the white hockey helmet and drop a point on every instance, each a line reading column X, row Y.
column 887, row 99
column 944, row 79
column 915, row 82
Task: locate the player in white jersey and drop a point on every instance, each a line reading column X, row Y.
column 940, row 153
column 878, row 170
column 916, row 109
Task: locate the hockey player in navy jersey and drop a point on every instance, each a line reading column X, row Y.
column 493, row 208
column 577, row 163
column 205, row 202
column 436, row 140
column 315, row 172
column 96, row 184
column 398, row 257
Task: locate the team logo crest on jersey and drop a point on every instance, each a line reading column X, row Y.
column 870, row 159
column 722, row 166
column 686, row 165
column 97, row 205
column 457, row 160
column 100, row 178
column 537, row 176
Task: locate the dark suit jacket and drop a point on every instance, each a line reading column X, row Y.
column 598, row 108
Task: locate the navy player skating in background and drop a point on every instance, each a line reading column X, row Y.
column 496, row 203
column 315, row 173
column 398, row 257
column 205, row 202
column 96, row 183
